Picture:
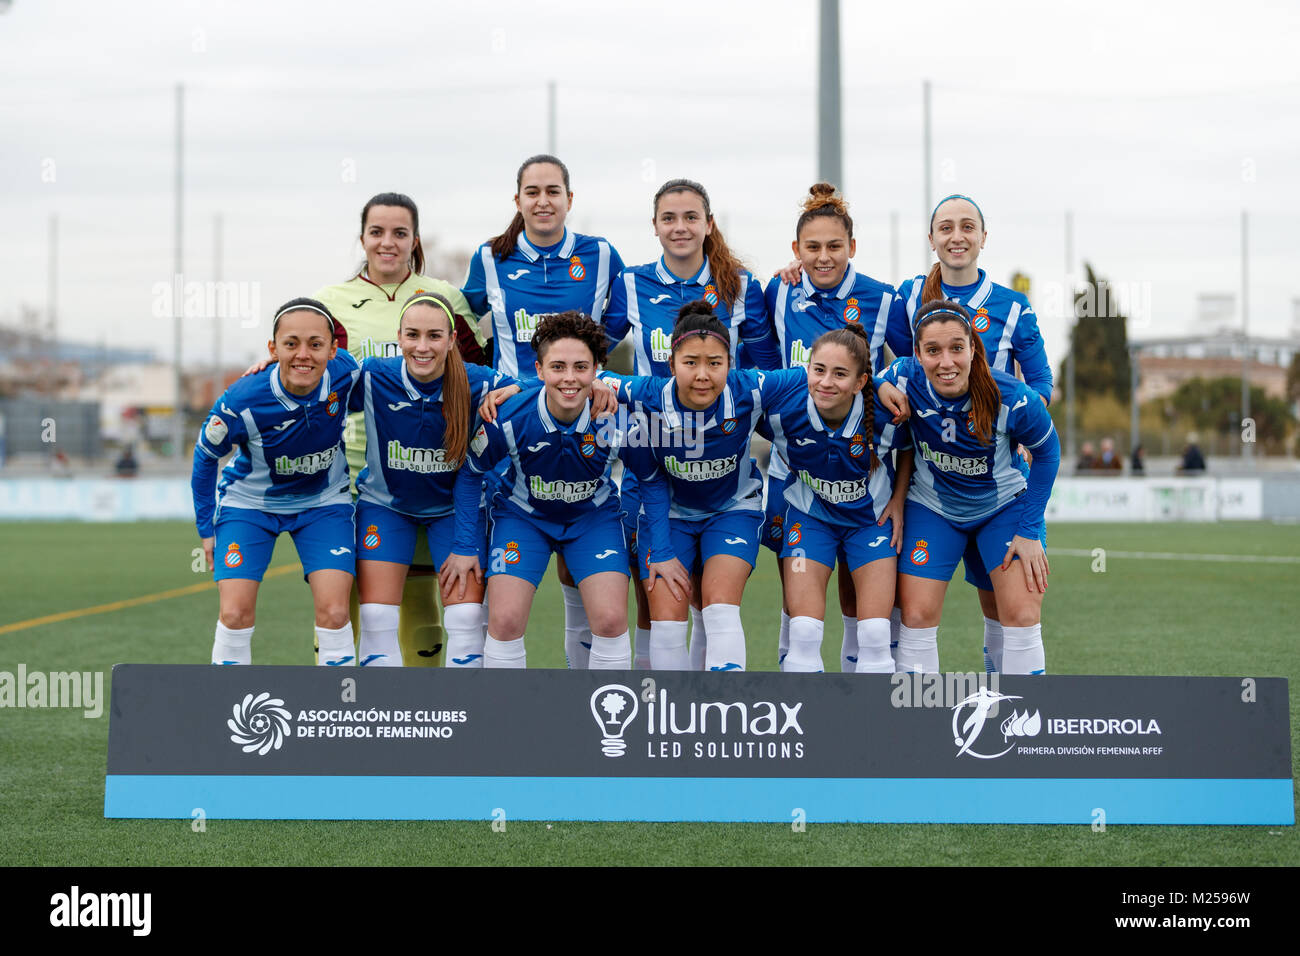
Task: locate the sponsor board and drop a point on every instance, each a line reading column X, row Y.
column 303, row 742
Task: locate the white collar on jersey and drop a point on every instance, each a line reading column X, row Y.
column 673, row 418
column 580, row 424
column 532, row 255
column 850, row 277
column 942, row 402
column 852, row 421
column 413, row 392
column 979, row 296
column 287, row 400
column 667, row 278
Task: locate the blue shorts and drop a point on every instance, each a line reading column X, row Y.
column 825, row 543
column 324, row 537
column 932, row 545
column 387, row 535
column 773, row 531
column 695, row 541
column 521, row 546
column 630, row 495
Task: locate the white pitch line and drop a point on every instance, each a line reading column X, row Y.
column 1178, row 556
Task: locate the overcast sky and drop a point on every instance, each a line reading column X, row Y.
column 1156, row 124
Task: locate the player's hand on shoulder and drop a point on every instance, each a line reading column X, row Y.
column 488, row 410
column 892, row 398
column 792, row 272
column 603, row 400
column 256, row 367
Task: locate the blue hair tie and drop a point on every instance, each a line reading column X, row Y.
column 956, row 196
column 931, row 314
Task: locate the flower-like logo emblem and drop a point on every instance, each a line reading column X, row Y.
column 260, row 723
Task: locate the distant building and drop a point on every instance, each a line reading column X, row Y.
column 1165, row 364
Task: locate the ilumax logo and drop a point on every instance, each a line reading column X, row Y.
column 75, row 908
column 758, row 719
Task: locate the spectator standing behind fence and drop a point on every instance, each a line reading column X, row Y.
column 1193, row 462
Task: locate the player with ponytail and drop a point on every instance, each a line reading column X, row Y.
column 1006, row 325
column 818, row 292
column 419, row 411
column 967, row 494
column 696, row 264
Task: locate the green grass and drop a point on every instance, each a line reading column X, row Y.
column 1139, row 616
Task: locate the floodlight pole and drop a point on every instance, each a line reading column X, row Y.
column 830, row 167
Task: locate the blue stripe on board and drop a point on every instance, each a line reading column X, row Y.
column 823, row 800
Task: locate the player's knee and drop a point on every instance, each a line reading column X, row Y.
column 1022, row 616
column 332, row 615
column 505, row 624
column 922, row 614
column 237, row 617
column 607, row 622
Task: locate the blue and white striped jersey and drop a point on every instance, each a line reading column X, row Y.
column 645, row 299
column 557, row 472
column 1004, row 319
column 830, row 468
column 290, row 447
column 958, row 477
column 704, row 454
column 406, row 467
column 533, row 282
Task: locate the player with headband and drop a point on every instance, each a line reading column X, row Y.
column 1006, row 324
column 419, row 412
column 966, row 422
column 645, row 300
column 819, row 292
column 289, row 474
column 537, row 267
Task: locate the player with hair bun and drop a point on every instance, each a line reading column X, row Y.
column 289, row 473
column 966, row 422
column 419, row 412
column 536, row 268
column 696, row 264
column 1005, row 322
column 818, row 292
column 556, row 496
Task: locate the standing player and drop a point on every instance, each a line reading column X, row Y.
column 289, row 474
column 368, row 305
column 646, row 300
column 844, row 501
column 966, row 422
column 701, row 422
column 556, row 496
column 537, row 267
column 419, row 414
column 1005, row 322
column 826, row 292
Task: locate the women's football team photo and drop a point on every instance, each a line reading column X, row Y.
column 414, row 437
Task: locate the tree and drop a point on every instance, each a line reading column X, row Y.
column 1099, row 342
column 1293, row 379
column 1214, row 405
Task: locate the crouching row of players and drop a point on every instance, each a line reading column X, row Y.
column 500, row 481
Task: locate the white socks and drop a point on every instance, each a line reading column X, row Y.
column 1023, row 650
column 726, row 646
column 918, row 650
column 337, row 648
column 504, row 653
column 379, row 647
column 464, row 628
column 577, row 630
column 232, row 646
column 873, row 647
column 992, row 646
column 805, row 655
column 611, row 653
column 668, row 646
column 783, row 641
column 641, row 661
column 849, row 646
column 699, row 639
column 895, row 624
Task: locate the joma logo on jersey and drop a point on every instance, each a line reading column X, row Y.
column 836, row 492
column 570, row 491
column 699, row 469
column 661, row 345
column 799, row 353
column 422, row 460
column 305, row 465
column 945, row 462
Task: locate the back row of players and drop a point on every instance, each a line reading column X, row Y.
column 717, row 360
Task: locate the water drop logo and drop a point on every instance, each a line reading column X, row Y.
column 614, row 706
column 259, row 723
